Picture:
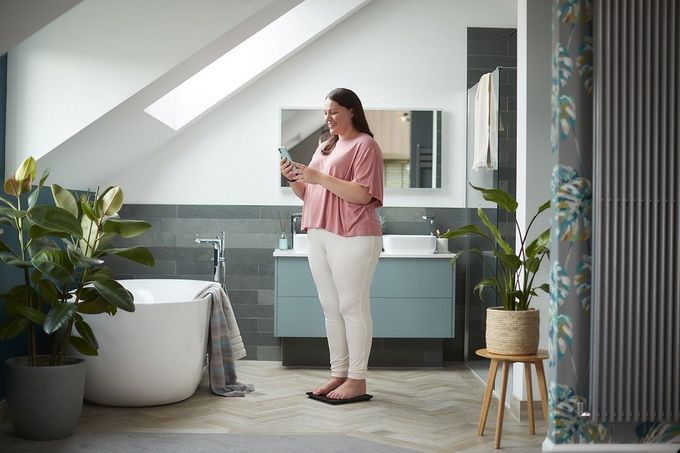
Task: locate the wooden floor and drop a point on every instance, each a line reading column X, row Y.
column 424, row 410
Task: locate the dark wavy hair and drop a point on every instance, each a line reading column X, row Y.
column 348, row 99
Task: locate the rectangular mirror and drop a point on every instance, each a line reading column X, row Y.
column 411, row 142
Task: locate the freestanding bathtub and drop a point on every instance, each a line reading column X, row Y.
column 155, row 355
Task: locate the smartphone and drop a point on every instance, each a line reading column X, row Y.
column 285, row 155
column 283, row 152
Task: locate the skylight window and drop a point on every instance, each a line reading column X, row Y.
column 248, row 60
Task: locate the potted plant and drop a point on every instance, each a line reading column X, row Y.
column 59, row 251
column 513, row 327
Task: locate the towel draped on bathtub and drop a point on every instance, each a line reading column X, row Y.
column 225, row 344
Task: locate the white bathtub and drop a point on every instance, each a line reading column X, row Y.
column 155, row 355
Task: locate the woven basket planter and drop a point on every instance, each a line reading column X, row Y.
column 512, row 332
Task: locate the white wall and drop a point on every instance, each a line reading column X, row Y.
column 91, row 59
column 534, row 155
column 393, row 53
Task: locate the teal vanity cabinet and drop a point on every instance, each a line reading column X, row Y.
column 411, row 297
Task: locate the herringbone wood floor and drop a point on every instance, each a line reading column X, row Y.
column 424, row 410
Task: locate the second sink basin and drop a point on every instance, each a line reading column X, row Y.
column 409, row 244
column 300, row 244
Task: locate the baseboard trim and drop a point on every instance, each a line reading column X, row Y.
column 550, row 447
column 519, row 409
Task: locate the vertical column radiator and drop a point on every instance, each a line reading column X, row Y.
column 635, row 330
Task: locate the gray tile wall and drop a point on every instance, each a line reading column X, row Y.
column 487, row 49
column 252, row 233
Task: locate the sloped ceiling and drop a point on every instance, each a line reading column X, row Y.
column 19, row 19
column 77, row 88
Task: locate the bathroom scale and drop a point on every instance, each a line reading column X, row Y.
column 323, row 398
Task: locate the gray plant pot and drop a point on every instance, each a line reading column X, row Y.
column 44, row 402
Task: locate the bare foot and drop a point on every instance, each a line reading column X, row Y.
column 332, row 384
column 349, row 389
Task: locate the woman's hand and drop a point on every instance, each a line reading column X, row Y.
column 347, row 190
column 309, row 175
column 288, row 170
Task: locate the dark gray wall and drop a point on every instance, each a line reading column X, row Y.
column 252, row 233
column 488, row 48
column 9, row 276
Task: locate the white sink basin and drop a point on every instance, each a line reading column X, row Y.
column 409, row 244
column 300, row 244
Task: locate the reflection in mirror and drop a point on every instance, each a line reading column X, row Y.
column 411, row 142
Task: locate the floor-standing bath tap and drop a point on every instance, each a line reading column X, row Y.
column 219, row 271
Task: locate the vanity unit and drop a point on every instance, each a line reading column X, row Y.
column 412, row 297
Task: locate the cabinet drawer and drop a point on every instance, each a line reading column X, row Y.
column 299, row 317
column 413, row 278
column 412, row 317
column 392, row 317
column 293, row 278
column 394, row 277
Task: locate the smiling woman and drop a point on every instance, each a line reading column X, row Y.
column 410, row 140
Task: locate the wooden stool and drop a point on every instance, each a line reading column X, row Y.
column 537, row 360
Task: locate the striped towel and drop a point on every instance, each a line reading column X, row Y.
column 225, row 344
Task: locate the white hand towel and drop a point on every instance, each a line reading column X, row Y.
column 486, row 125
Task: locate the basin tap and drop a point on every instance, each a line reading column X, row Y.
column 430, row 220
column 293, row 219
column 218, row 256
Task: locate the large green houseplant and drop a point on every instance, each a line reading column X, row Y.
column 512, row 277
column 59, row 250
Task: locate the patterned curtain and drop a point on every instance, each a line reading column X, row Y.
column 571, row 188
column 571, row 248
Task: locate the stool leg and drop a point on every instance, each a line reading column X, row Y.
column 491, row 378
column 544, row 391
column 501, row 404
column 530, row 401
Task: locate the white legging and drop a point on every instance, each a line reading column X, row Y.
column 343, row 268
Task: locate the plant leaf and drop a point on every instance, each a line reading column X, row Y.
column 500, row 197
column 96, row 306
column 494, row 231
column 111, row 201
column 465, row 231
column 55, row 219
column 64, row 199
column 13, row 260
column 4, row 248
column 36, row 231
column 12, row 214
column 82, row 346
column 539, row 245
column 86, row 333
column 48, row 293
column 31, row 314
column 102, row 273
column 58, row 315
column 490, row 282
column 54, row 264
column 140, row 255
column 79, row 260
column 26, row 170
column 87, row 209
column 13, row 327
column 125, row 228
column 90, row 235
column 113, row 292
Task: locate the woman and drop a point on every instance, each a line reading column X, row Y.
column 341, row 189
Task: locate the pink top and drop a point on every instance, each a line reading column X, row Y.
column 360, row 160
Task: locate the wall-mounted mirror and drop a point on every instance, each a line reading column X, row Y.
column 411, row 141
